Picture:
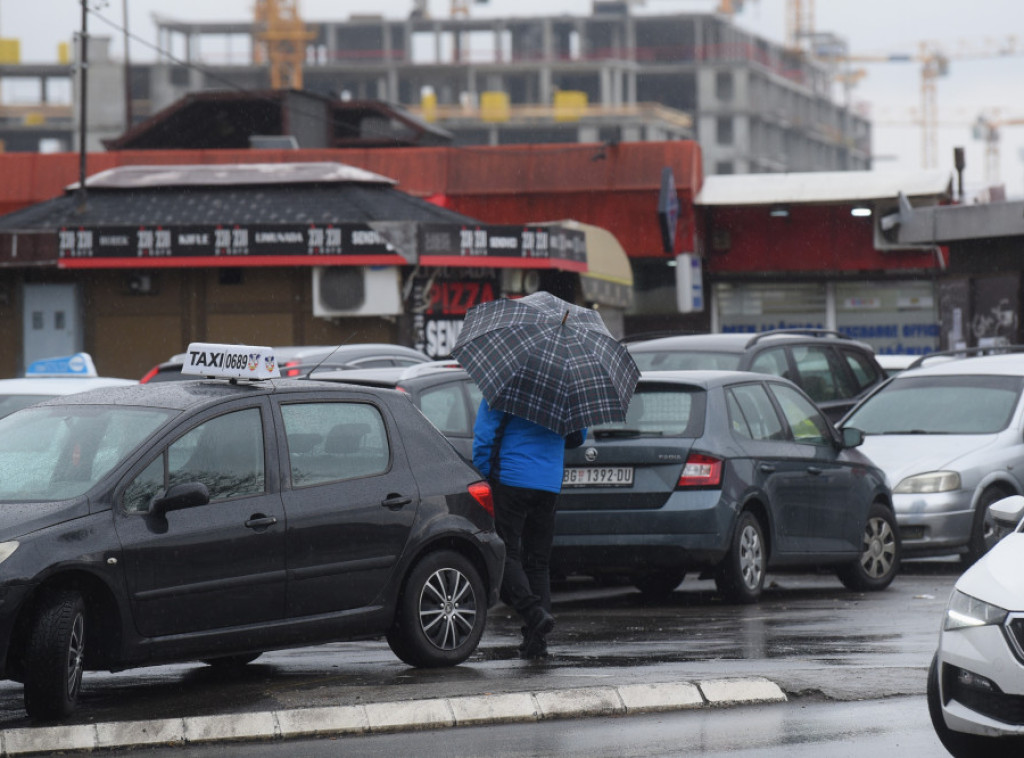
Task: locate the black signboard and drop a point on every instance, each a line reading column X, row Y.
column 179, row 242
column 325, row 244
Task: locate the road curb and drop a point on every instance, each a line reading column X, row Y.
column 407, row 715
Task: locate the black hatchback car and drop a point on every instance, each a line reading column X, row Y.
column 834, row 370
column 727, row 473
column 213, row 520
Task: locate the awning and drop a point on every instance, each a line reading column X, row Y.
column 608, row 279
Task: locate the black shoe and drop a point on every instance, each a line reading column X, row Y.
column 539, row 624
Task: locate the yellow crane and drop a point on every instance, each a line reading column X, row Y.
column 280, row 40
column 935, row 62
column 987, row 128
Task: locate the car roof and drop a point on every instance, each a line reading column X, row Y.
column 1008, row 364
column 740, row 342
column 58, row 385
column 388, row 376
column 191, row 394
column 708, row 379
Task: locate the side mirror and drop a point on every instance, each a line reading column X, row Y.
column 852, row 437
column 1008, row 511
column 185, row 495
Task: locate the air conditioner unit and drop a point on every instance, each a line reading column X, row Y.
column 356, row 291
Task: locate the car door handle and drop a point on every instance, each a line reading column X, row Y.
column 767, row 468
column 813, row 470
column 259, row 522
column 395, row 502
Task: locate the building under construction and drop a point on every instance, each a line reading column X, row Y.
column 754, row 105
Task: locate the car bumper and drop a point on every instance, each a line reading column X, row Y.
column 982, row 651
column 692, row 529
column 934, row 523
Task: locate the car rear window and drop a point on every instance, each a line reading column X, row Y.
column 940, row 405
column 686, row 361
column 662, row 410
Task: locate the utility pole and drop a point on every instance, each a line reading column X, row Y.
column 127, row 71
column 83, row 99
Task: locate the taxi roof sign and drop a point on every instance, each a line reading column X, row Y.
column 77, row 365
column 230, row 361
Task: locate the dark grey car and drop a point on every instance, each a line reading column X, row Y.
column 834, row 370
column 727, row 473
column 442, row 390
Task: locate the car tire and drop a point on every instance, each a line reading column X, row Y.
column 441, row 612
column 232, row 661
column 740, row 576
column 55, row 655
column 879, row 559
column 658, row 584
column 961, row 744
column 984, row 531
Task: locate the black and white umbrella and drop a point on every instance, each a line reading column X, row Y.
column 547, row 360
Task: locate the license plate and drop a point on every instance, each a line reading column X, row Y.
column 598, row 476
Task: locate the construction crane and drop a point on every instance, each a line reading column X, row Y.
column 935, row 62
column 987, row 129
column 281, row 39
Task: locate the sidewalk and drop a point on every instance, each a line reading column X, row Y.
column 375, row 718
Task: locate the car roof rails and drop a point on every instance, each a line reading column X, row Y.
column 798, row 333
column 967, row 352
column 657, row 334
column 417, row 369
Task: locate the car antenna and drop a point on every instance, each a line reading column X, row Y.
column 336, row 349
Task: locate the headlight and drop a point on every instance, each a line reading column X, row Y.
column 923, row 484
column 964, row 611
column 7, row 549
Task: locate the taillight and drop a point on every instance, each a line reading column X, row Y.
column 701, row 471
column 481, row 492
column 287, row 368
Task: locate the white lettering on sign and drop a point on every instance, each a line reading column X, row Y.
column 441, row 335
column 187, row 240
column 279, row 237
column 504, row 243
column 113, row 240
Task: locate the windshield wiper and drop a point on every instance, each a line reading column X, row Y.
column 908, row 431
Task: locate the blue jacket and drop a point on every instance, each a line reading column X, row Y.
column 532, row 456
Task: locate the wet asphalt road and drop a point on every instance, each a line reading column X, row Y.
column 815, row 639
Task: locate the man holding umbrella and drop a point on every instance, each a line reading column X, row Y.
column 547, row 369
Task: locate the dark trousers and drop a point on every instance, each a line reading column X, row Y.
column 525, row 520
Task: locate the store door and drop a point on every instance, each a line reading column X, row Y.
column 51, row 325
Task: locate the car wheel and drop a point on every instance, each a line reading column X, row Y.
column 961, row 744
column 659, row 583
column 55, row 656
column 441, row 613
column 740, row 576
column 985, row 532
column 879, row 559
column 232, row 661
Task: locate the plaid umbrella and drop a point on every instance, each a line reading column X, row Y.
column 548, row 361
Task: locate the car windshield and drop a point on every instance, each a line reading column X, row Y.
column 689, row 360
column 58, row 452
column 11, row 403
column 662, row 411
column 939, row 405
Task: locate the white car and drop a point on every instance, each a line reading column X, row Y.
column 976, row 680
column 52, row 377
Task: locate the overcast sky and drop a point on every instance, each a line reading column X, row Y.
column 891, row 91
